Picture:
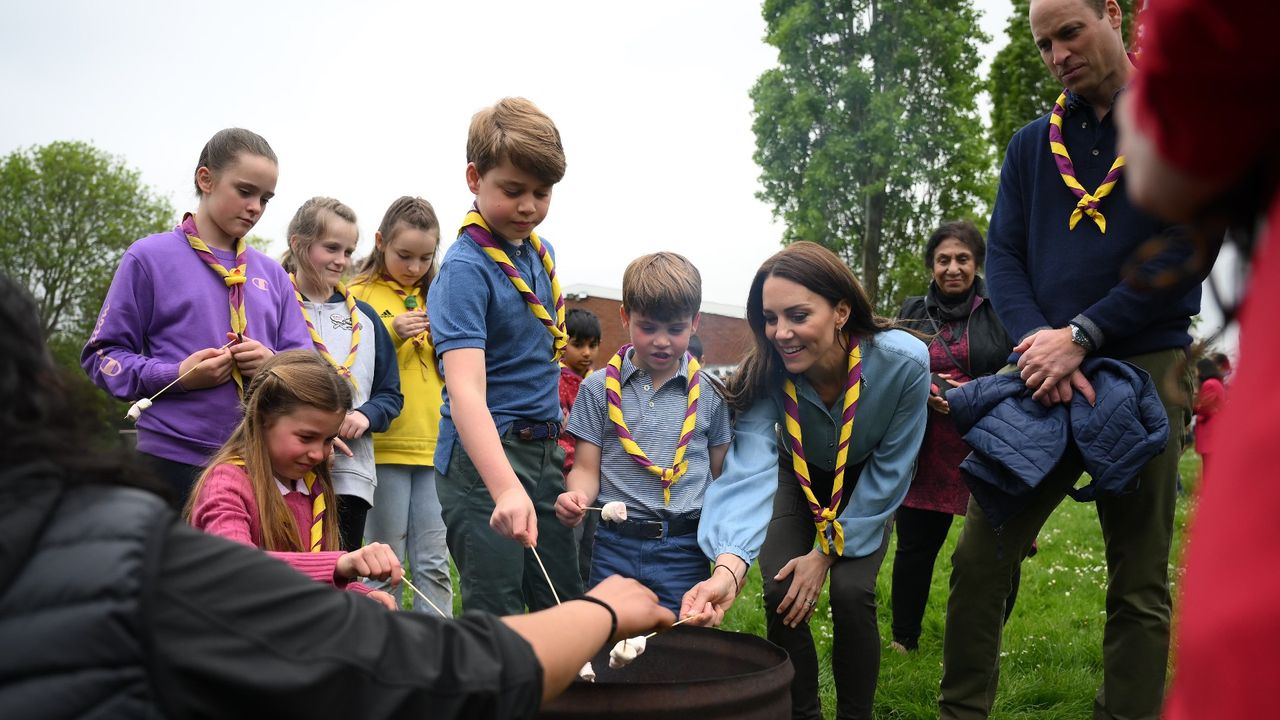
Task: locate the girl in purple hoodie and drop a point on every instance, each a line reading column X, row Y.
column 197, row 303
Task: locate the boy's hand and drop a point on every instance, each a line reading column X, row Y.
column 571, row 507
column 514, row 517
column 354, row 425
column 212, row 368
column 249, row 354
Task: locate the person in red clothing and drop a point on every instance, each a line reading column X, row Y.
column 1209, row 401
column 583, row 328
column 1200, row 138
column 270, row 487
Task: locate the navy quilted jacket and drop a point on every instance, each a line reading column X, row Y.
column 1016, row 441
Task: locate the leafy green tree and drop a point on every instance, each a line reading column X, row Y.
column 68, row 211
column 1021, row 87
column 867, row 131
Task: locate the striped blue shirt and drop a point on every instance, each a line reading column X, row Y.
column 654, row 415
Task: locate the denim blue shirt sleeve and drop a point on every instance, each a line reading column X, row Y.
column 887, row 432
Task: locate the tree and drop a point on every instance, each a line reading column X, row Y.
column 1021, row 87
column 867, row 131
column 68, row 211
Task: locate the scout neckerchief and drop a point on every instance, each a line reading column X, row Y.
column 613, row 393
column 483, row 237
column 344, row 367
column 234, row 279
column 1088, row 204
column 316, row 492
column 411, row 302
column 824, row 516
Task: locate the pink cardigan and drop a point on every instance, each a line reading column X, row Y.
column 226, row 507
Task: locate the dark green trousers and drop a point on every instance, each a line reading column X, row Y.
column 496, row 574
column 1137, row 530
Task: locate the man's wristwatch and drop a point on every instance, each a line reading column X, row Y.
column 1081, row 338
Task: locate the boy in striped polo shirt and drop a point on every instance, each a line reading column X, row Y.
column 652, row 433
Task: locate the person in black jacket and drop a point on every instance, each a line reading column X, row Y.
column 111, row 606
column 966, row 341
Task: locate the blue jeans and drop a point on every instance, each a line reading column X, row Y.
column 406, row 516
column 668, row 567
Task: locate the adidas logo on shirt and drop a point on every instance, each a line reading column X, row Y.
column 387, row 314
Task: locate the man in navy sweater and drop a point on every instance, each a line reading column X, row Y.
column 1061, row 236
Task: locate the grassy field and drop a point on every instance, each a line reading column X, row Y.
column 1052, row 653
column 1051, row 660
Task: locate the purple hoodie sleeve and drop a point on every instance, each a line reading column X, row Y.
column 113, row 356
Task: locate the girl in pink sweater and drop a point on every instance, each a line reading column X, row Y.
column 270, row 487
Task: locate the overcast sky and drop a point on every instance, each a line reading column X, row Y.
column 369, row 101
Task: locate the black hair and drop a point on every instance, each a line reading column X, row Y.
column 582, row 324
column 1207, row 368
column 964, row 231
column 39, row 412
column 695, row 347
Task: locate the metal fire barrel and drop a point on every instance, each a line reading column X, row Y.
column 689, row 672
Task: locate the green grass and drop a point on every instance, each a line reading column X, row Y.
column 1051, row 661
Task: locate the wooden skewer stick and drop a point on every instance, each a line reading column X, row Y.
column 424, row 597
column 546, row 575
column 678, row 622
column 179, row 379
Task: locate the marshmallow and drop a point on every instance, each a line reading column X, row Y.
column 625, row 651
column 587, row 673
column 135, row 410
column 615, row 511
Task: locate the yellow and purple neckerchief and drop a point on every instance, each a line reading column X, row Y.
column 483, row 237
column 314, row 489
column 411, row 301
column 344, row 367
column 1088, row 204
column 234, row 278
column 613, row 394
column 825, row 516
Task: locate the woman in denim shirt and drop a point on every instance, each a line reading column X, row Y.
column 822, row 361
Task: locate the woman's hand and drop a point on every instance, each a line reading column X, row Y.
column 711, row 598
column 375, row 561
column 808, row 572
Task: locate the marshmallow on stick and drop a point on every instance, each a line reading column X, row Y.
column 626, row 650
column 615, row 511
column 587, row 673
column 136, row 409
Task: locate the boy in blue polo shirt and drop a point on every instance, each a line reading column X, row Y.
column 497, row 319
column 652, row 433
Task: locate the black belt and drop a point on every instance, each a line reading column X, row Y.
column 654, row 529
column 527, row 430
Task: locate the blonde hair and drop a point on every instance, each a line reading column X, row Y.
column 305, row 229
column 414, row 213
column 288, row 381
column 663, row 286
column 515, row 129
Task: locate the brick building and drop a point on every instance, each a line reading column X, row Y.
column 723, row 328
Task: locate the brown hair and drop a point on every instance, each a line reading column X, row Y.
column 822, row 272
column 286, row 382
column 413, row 212
column 664, row 286
column 515, row 129
column 226, row 145
column 305, row 229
